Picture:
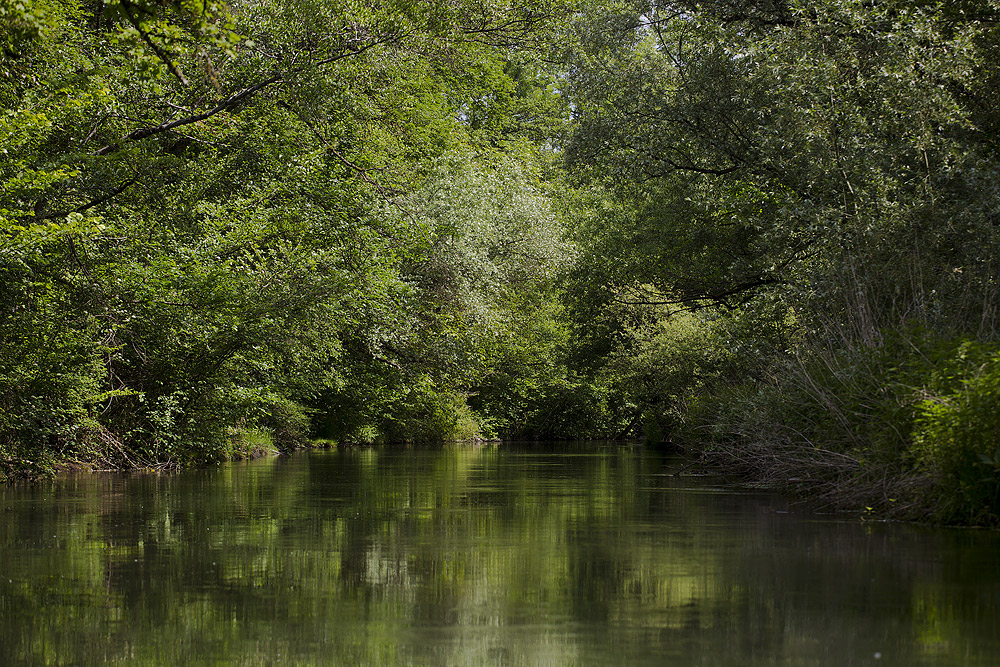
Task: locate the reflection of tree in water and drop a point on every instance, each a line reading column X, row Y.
column 472, row 556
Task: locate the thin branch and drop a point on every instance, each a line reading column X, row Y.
column 231, row 101
column 227, row 103
column 94, row 202
column 386, row 195
column 160, row 53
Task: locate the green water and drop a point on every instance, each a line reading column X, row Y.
column 506, row 555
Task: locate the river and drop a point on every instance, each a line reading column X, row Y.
column 580, row 554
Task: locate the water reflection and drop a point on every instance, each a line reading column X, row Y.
column 475, row 556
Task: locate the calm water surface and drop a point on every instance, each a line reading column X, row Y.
column 505, row 555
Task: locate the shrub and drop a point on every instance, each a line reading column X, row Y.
column 957, row 438
column 288, row 422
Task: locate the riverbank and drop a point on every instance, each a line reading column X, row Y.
column 905, row 430
column 826, row 481
column 873, row 482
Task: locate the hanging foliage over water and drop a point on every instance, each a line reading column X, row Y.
column 220, row 219
column 765, row 226
column 814, row 181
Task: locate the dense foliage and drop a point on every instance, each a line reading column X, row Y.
column 765, row 231
column 813, row 182
column 226, row 225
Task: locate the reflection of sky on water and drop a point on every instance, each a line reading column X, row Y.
column 475, row 555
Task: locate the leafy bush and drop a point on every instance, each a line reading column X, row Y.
column 430, row 415
column 957, row 436
column 288, row 423
column 909, row 426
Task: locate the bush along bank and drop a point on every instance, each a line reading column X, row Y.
column 905, row 430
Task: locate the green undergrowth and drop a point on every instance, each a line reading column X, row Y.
column 906, row 429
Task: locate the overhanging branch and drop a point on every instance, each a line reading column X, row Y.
column 92, row 203
column 233, row 100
